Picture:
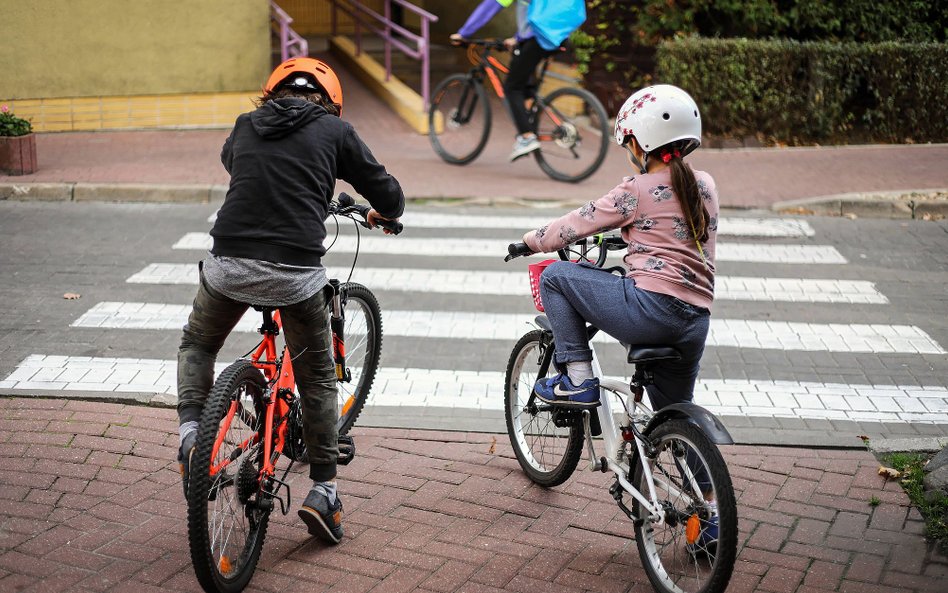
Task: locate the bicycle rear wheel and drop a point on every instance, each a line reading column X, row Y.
column 683, row 554
column 363, row 343
column 227, row 515
column 459, row 119
column 547, row 441
column 573, row 129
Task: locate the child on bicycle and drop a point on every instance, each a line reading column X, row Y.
column 283, row 159
column 668, row 217
column 539, row 35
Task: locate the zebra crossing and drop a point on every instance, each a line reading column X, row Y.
column 427, row 280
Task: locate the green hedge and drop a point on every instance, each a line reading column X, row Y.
column 796, row 92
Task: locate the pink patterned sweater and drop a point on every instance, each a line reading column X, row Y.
column 663, row 255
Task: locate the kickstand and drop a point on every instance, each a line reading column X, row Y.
column 281, row 483
column 594, row 464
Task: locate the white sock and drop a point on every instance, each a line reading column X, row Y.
column 579, row 371
column 327, row 488
column 185, row 429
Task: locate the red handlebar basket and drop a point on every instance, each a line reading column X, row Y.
column 535, row 270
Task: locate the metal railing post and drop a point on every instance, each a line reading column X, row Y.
column 284, row 50
column 388, row 40
column 425, row 61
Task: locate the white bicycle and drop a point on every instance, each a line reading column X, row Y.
column 670, row 477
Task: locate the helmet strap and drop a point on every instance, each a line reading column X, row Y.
column 635, row 159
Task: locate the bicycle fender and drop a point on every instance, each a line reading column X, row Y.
column 697, row 415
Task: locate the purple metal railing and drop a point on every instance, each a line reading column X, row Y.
column 291, row 44
column 385, row 28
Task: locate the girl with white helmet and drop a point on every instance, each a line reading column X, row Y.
column 668, row 216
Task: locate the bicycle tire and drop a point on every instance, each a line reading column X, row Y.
column 351, row 401
column 463, row 84
column 661, row 559
column 546, row 461
column 217, row 568
column 567, row 136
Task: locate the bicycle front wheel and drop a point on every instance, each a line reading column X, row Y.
column 547, row 441
column 693, row 549
column 459, row 119
column 573, row 130
column 227, row 513
column 363, row 344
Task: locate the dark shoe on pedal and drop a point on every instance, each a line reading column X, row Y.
column 560, row 390
column 706, row 543
column 323, row 520
column 185, row 452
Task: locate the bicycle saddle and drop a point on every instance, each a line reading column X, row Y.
column 639, row 354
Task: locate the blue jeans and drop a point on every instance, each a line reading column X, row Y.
column 576, row 294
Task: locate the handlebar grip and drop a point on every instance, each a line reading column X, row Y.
column 517, row 249
column 391, row 225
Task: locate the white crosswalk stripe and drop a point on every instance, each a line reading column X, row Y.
column 727, row 226
column 728, row 288
column 497, row 248
column 469, row 325
column 484, row 390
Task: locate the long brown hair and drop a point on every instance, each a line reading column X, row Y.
column 318, row 97
column 686, row 188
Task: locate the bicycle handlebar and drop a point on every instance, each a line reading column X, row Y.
column 348, row 204
column 488, row 43
column 606, row 244
column 517, row 250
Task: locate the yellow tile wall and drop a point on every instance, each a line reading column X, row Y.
column 135, row 112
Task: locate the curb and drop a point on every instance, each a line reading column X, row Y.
column 896, row 445
column 904, row 204
column 112, row 192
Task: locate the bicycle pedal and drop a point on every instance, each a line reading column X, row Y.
column 347, row 450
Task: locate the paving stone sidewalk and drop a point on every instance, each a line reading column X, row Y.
column 92, row 502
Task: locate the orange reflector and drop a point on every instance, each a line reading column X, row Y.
column 225, row 565
column 692, row 529
column 348, row 405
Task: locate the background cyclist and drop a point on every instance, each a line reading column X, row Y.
column 541, row 28
column 283, row 159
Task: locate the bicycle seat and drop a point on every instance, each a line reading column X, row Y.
column 640, row 354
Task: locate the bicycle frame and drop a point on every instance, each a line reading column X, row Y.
column 486, row 64
column 281, row 384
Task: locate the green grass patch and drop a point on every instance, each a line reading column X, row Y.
column 932, row 505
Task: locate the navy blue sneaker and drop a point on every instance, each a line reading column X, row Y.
column 561, row 391
column 707, row 542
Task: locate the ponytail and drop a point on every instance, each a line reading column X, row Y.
column 686, row 188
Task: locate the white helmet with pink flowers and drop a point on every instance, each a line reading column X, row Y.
column 657, row 116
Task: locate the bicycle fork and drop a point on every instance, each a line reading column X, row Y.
column 337, row 324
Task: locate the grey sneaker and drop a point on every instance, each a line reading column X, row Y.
column 184, row 459
column 322, row 519
column 524, row 146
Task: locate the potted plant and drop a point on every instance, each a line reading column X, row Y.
column 17, row 144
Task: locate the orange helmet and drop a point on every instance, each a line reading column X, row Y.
column 317, row 69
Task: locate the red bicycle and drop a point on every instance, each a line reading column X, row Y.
column 253, row 416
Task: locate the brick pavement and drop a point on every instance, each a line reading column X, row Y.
column 746, row 177
column 92, row 502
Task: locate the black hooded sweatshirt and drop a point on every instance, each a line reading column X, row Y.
column 284, row 159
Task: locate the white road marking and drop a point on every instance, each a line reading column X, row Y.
column 776, row 335
column 484, row 390
column 497, row 249
column 729, row 288
column 727, row 226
